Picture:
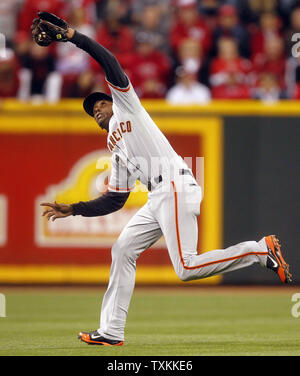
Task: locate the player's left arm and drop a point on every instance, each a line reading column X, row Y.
column 121, row 89
column 106, row 204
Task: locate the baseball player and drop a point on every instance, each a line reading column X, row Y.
column 139, row 151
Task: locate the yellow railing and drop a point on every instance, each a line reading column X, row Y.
column 216, row 107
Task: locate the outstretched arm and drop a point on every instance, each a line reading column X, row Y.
column 113, row 71
column 106, row 204
column 48, row 28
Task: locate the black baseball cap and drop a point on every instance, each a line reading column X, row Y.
column 91, row 99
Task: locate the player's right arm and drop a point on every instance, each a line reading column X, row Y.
column 49, row 28
column 121, row 89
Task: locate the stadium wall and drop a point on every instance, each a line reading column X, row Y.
column 261, row 187
column 55, row 152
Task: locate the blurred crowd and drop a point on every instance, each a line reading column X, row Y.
column 186, row 51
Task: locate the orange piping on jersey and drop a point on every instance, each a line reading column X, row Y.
column 120, row 189
column 208, row 263
column 123, row 90
column 176, row 222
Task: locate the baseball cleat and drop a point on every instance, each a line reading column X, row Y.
column 275, row 261
column 94, row 338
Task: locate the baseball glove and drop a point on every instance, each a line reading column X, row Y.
column 48, row 28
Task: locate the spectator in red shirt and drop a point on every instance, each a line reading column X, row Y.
column 189, row 24
column 269, row 27
column 31, row 7
column 115, row 36
column 151, row 68
column 230, row 75
column 272, row 60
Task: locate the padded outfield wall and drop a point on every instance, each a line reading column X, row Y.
column 55, row 152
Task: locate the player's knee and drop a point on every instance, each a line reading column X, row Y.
column 183, row 274
column 116, row 250
column 121, row 251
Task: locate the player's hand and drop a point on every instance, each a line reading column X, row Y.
column 57, row 210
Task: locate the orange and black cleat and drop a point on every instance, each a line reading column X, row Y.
column 94, row 338
column 275, row 261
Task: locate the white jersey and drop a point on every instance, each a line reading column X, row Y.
column 140, row 150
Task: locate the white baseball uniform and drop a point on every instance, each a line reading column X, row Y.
column 141, row 151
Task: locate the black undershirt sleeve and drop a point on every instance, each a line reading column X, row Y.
column 106, row 204
column 113, row 71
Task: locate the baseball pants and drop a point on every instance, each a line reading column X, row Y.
column 172, row 211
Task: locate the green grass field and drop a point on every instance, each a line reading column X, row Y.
column 185, row 321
